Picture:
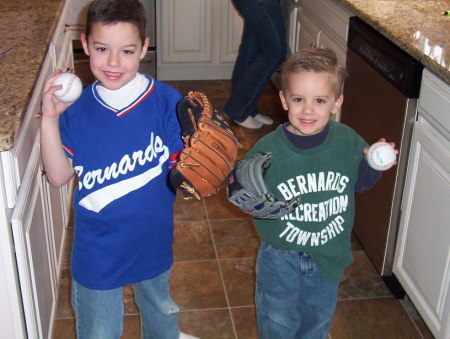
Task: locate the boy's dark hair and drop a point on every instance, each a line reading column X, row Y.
column 315, row 60
column 113, row 11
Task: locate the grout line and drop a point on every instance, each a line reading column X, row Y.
column 367, row 298
column 220, row 270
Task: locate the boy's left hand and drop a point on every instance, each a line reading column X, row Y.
column 366, row 149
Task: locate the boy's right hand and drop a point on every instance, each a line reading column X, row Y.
column 51, row 106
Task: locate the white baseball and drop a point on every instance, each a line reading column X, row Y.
column 381, row 156
column 71, row 89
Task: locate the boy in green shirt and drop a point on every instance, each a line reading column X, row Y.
column 304, row 253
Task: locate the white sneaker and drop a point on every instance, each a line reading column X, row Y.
column 251, row 123
column 264, row 119
column 187, row 336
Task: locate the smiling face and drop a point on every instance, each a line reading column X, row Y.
column 310, row 99
column 115, row 51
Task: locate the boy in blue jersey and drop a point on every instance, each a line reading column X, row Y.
column 303, row 255
column 120, row 139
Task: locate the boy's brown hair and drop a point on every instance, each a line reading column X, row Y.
column 114, row 11
column 314, row 60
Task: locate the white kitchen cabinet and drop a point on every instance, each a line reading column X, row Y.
column 422, row 258
column 33, row 214
column 324, row 23
column 197, row 39
column 34, row 245
column 290, row 11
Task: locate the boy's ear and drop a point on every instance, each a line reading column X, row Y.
column 283, row 101
column 84, row 43
column 144, row 48
column 338, row 104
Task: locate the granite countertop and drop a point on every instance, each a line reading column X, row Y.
column 416, row 26
column 27, row 27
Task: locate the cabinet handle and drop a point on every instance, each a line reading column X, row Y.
column 67, row 28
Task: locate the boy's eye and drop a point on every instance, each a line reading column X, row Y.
column 101, row 49
column 297, row 99
column 128, row 51
column 321, row 101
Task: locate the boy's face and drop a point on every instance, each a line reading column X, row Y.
column 115, row 51
column 310, row 99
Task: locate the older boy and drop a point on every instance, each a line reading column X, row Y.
column 120, row 138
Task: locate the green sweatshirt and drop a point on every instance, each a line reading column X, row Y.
column 324, row 177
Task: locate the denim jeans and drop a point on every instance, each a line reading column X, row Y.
column 293, row 300
column 99, row 313
column 263, row 48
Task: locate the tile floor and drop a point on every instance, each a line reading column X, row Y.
column 213, row 274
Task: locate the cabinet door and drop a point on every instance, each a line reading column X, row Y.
column 34, row 250
column 231, row 32
column 422, row 260
column 57, row 222
column 186, row 31
column 197, row 39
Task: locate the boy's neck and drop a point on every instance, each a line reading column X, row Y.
column 306, row 141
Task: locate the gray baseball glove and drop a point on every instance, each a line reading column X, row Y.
column 246, row 189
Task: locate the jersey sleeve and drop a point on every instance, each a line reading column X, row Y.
column 65, row 132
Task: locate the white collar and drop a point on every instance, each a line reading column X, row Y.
column 125, row 95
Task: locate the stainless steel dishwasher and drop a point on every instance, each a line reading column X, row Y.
column 380, row 98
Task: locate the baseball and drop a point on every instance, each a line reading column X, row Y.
column 71, row 89
column 381, row 156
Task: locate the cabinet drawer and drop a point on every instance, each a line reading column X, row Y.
column 14, row 162
column 332, row 15
column 61, row 33
column 65, row 59
column 434, row 102
column 309, row 32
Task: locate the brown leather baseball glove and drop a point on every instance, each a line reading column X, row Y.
column 210, row 148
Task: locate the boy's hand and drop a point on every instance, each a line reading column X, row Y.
column 366, row 149
column 51, row 106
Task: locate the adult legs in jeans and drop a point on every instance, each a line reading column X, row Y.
column 262, row 49
column 99, row 313
column 293, row 300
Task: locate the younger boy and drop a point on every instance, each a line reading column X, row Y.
column 303, row 255
column 120, row 139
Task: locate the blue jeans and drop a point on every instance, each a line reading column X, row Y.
column 293, row 300
column 263, row 48
column 99, row 313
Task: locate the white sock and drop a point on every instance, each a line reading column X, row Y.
column 266, row 120
column 187, row 336
column 251, row 123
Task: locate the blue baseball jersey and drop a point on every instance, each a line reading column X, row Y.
column 123, row 201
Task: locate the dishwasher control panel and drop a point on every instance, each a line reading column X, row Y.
column 403, row 71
